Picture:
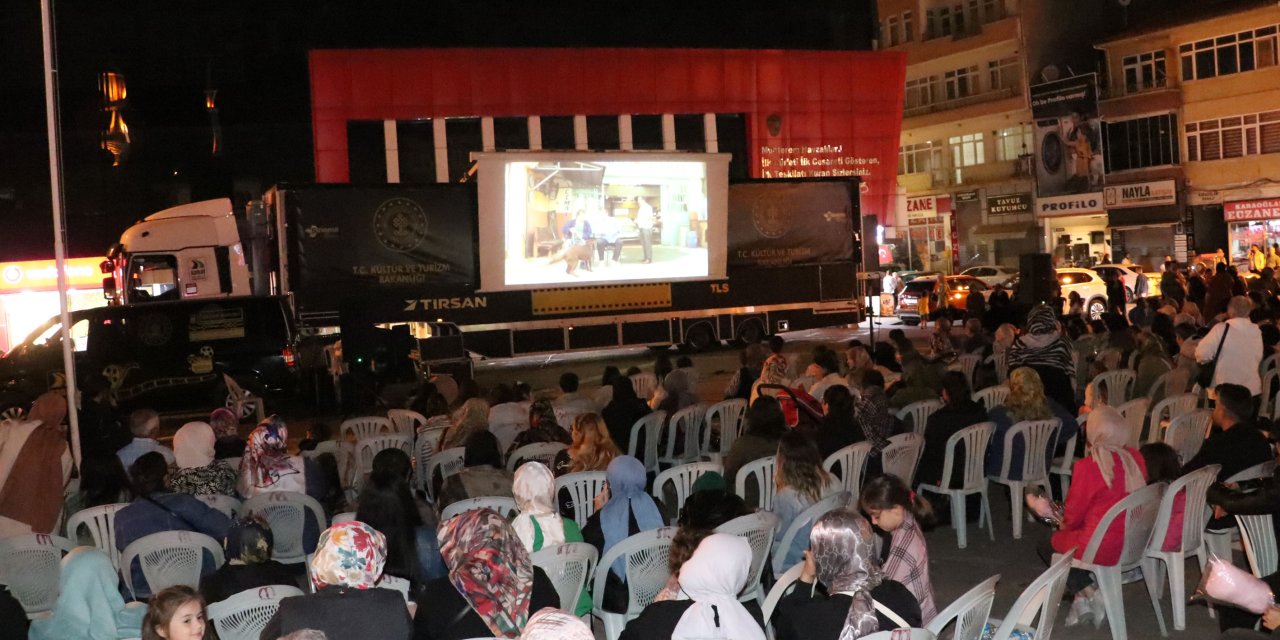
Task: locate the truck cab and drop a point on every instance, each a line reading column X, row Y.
column 184, row 252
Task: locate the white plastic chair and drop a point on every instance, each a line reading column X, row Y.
column 1037, row 604
column 1258, row 536
column 1135, row 413
column 758, row 528
column 345, row 516
column 567, row 413
column 1119, row 384
column 975, row 439
column 968, row 364
column 1193, row 486
column 168, row 558
column 101, row 523
column 1187, row 432
column 504, row 506
column 683, row 447
column 902, row 634
column 991, row 397
column 779, row 589
column 569, row 566
column 644, row 384
column 1218, row 542
column 1165, row 410
column 1269, row 380
column 405, row 421
column 583, row 487
column 1037, row 437
column 803, row 523
column 245, row 614
column 853, row 466
column 762, row 469
column 228, row 505
column 392, row 583
column 1138, row 510
column 448, row 462
column 644, row 557
column 1268, row 363
column 1064, row 464
column 287, row 512
column 544, row 452
column 427, row 442
column 970, row 612
column 507, row 432
column 367, row 448
column 651, row 425
column 365, row 427
column 730, row 415
column 1160, row 386
column 1001, row 362
column 918, row 413
column 31, row 564
column 682, row 478
column 902, row 456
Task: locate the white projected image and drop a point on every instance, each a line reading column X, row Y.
column 573, row 221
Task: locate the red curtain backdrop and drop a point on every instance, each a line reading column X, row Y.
column 841, row 111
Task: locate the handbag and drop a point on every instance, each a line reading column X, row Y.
column 1205, row 377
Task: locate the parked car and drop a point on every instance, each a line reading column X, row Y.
column 162, row 355
column 1090, row 286
column 1129, row 275
column 991, row 274
column 909, row 307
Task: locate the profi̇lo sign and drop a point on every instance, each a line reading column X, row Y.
column 1070, row 205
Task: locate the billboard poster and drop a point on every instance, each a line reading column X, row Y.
column 1068, row 136
column 774, row 225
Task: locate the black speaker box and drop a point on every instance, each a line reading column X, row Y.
column 1037, row 278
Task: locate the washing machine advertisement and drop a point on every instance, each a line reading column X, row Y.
column 1068, row 136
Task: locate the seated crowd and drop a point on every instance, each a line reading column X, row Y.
column 863, row 565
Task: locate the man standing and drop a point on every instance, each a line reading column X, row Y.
column 1241, row 353
column 1273, row 257
column 644, row 221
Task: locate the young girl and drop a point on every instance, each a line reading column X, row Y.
column 176, row 613
column 899, row 511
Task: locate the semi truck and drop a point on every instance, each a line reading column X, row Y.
column 543, row 252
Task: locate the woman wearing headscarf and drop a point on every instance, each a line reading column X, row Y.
column 764, row 427
column 492, row 585
column 249, row 565
column 198, row 473
column 226, row 426
column 539, row 524
column 542, row 427
column 1109, row 471
column 773, row 371
column 628, row 510
column 89, row 605
column 1153, row 360
column 842, row 557
column 472, row 417
column 872, row 414
column 858, row 360
column 482, row 473
column 34, row 450
column 554, row 624
column 708, row 606
column 1042, row 347
column 920, row 381
column 267, row 465
column 1027, row 401
column 624, row 410
column 677, row 392
column 345, row 570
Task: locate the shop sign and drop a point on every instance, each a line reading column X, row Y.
column 967, row 196
column 43, row 274
column 1009, row 203
column 1141, row 194
column 922, row 210
column 1069, row 205
column 1251, row 210
column 1202, row 198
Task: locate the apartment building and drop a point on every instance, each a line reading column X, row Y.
column 966, row 168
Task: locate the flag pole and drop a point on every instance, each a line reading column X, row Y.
column 59, row 220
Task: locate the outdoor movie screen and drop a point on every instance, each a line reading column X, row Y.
column 568, row 219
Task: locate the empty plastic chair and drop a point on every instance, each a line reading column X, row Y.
column 968, row 364
column 902, row 456
column 852, row 463
column 1258, row 536
column 1036, row 609
column 406, row 421
column 1118, row 385
column 651, row 427
column 729, row 416
column 1037, row 436
column 365, row 427
column 762, row 470
column 31, row 565
column 970, row 612
column 101, row 524
column 683, row 435
column 991, row 397
column 645, row 557
column 1135, row 413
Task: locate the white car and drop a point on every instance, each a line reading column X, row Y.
column 1127, row 273
column 1089, row 285
column 991, row 274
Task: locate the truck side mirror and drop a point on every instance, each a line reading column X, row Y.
column 109, row 287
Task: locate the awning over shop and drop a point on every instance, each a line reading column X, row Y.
column 1007, row 231
column 1144, row 216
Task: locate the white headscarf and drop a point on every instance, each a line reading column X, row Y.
column 534, row 489
column 1108, row 433
column 712, row 578
column 193, row 445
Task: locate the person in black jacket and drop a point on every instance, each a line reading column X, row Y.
column 622, row 413
column 12, row 616
column 492, row 587
column 958, row 411
column 842, row 556
column 249, row 564
column 1230, row 501
column 839, row 429
column 1235, row 443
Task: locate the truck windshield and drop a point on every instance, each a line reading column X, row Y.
column 153, row 277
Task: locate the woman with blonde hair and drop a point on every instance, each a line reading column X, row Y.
column 1026, row 401
column 592, row 448
column 799, row 481
column 473, row 416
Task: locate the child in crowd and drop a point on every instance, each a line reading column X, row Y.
column 176, row 613
column 897, row 510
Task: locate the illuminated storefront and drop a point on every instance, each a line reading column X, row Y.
column 1075, row 229
column 1251, row 222
column 924, row 234
column 29, row 294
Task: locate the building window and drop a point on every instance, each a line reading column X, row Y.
column 961, row 82
column 966, row 151
column 1141, row 142
column 1234, row 137
column 1144, row 71
column 908, row 27
column 940, row 25
column 1005, row 73
column 1229, row 54
column 921, row 92
column 1013, row 142
column 992, row 10
column 925, row 157
column 891, row 31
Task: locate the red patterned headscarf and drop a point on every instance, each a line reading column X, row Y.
column 266, row 456
column 350, row 554
column 490, row 567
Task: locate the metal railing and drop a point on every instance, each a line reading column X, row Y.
column 946, row 105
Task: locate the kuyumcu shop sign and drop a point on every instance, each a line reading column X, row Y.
column 1071, row 205
column 1251, row 210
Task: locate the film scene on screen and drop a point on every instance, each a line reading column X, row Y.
column 577, row 221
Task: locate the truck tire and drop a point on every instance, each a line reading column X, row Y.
column 699, row 337
column 751, row 332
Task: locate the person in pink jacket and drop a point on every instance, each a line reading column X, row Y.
column 1108, row 472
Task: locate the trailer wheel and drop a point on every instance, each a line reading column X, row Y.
column 699, row 337
column 751, row 332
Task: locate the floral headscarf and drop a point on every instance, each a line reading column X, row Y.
column 266, row 456
column 490, row 568
column 224, row 423
column 248, row 541
column 554, row 624
column 350, row 554
column 843, row 548
column 774, row 370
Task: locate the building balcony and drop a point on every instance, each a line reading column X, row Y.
column 924, row 181
column 1119, row 102
column 989, row 172
column 947, row 105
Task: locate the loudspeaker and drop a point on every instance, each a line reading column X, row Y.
column 1038, row 278
column 869, row 255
